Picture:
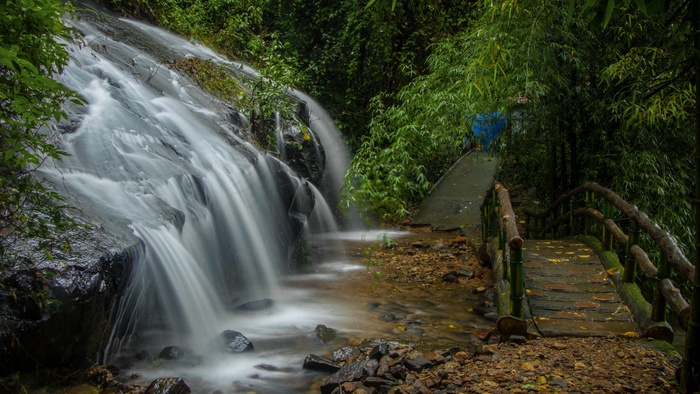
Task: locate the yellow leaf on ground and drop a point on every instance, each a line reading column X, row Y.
column 613, row 271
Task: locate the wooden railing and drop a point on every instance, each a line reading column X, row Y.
column 504, row 247
column 601, row 229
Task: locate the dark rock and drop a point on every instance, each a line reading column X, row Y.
column 383, row 385
column 59, row 310
column 371, row 367
column 168, row 386
column 254, row 305
column 320, row 363
column 234, row 342
column 387, row 317
column 267, row 367
column 171, row 353
column 349, row 373
column 517, row 339
column 142, row 355
column 325, row 334
column 398, row 371
column 379, row 351
column 346, row 353
column 450, row 278
column 465, row 273
column 418, row 363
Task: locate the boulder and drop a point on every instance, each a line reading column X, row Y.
column 171, row 353
column 346, row 353
column 351, row 372
column 58, row 312
column 320, row 363
column 325, row 334
column 168, row 386
column 234, row 342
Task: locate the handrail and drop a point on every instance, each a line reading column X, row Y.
column 498, row 222
column 668, row 245
column 635, row 257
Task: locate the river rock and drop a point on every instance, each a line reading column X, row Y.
column 465, row 273
column 254, row 305
column 171, row 353
column 450, row 278
column 351, row 372
column 168, row 386
column 346, row 353
column 325, row 334
column 320, row 363
column 379, row 351
column 234, row 342
column 418, row 362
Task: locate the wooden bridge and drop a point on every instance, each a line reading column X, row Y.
column 581, row 274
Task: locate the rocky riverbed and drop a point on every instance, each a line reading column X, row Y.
column 430, row 355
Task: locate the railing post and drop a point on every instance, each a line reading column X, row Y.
column 658, row 308
column 607, row 235
column 630, row 261
column 551, row 220
column 502, row 246
column 527, row 226
column 517, row 285
column 571, row 216
column 587, row 219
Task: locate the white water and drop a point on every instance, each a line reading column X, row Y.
column 154, row 157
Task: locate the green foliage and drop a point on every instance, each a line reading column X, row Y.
column 29, row 98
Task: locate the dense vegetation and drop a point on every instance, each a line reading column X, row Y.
column 29, row 98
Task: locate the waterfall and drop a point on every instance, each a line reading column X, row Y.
column 155, row 157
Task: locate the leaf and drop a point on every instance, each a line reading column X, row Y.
column 642, row 5
column 369, row 3
column 608, row 13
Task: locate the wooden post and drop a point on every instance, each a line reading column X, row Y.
column 586, row 219
column 607, row 235
column 658, row 308
column 571, row 217
column 517, row 285
column 630, row 261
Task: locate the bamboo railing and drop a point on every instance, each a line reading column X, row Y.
column 504, row 248
column 564, row 218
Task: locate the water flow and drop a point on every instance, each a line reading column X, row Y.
column 156, row 159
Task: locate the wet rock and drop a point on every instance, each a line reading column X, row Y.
column 254, row 305
column 418, row 363
column 387, row 317
column 325, row 334
column 345, row 353
column 168, row 386
column 171, row 353
column 450, row 278
column 267, row 367
column 465, row 273
column 383, row 385
column 142, row 355
column 379, row 351
column 234, row 342
column 438, row 246
column 352, row 372
column 319, row 363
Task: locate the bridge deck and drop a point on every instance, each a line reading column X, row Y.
column 569, row 292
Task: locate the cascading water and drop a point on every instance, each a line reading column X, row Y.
column 153, row 157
